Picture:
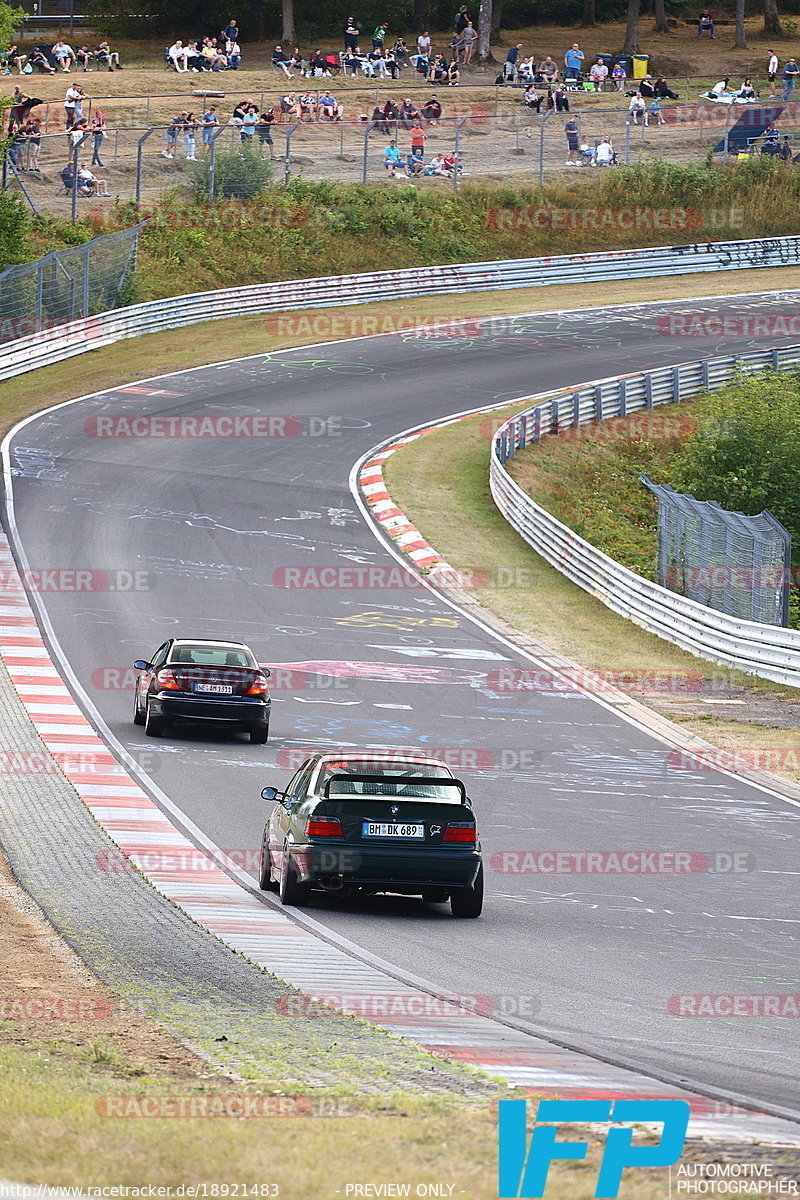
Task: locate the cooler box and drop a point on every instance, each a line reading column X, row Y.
column 640, row 62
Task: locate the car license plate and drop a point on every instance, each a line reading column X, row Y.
column 219, row 689
column 383, row 829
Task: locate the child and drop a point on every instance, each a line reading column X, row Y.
column 656, row 113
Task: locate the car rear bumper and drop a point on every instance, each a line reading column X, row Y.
column 250, row 713
column 385, row 866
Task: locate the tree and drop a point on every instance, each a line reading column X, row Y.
column 497, row 15
column 632, row 29
column 288, row 33
column 741, row 36
column 772, row 22
column 11, row 20
column 660, row 15
column 422, row 15
column 589, row 16
column 485, row 31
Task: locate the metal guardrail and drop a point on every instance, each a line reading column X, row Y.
column 65, row 341
column 765, row 650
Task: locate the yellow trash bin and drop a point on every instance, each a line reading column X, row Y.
column 640, row 62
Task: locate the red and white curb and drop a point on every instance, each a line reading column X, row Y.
column 267, row 936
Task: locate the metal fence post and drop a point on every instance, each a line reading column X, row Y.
column 139, row 148
column 85, row 297
column 365, row 164
column 212, row 163
column 75, row 175
column 287, row 159
column 39, row 296
column 459, row 123
column 627, row 140
column 726, row 135
column 549, row 113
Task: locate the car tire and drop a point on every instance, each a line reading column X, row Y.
column 138, row 715
column 468, row 901
column 258, row 737
column 153, row 726
column 290, row 890
column 265, row 880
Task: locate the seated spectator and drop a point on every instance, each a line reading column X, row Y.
column 662, row 90
column 416, row 163
column 68, row 176
column 771, row 141
column 532, row 99
column 365, row 64
column 452, row 165
column 705, row 24
column 378, row 62
column 409, row 113
column 391, row 64
column 400, row 52
column 317, row 65
column 351, row 61
column 281, row 61
column 296, row 62
column 548, row 70
column 308, row 106
column 436, row 166
column 83, row 56
column 721, row 89
column 422, row 64
column 598, row 73
column 392, row 159
column 619, row 75
column 194, row 56
column 646, row 88
column 178, row 55
column 785, row 150
column 41, row 62
column 747, row 91
column 290, row 106
column 432, row 111
column 453, row 74
column 391, row 114
column 212, row 58
column 108, row 57
column 233, row 54
column 13, row 57
column 438, row 70
column 656, row 113
column 64, row 55
column 638, row 108
column 328, row 109
column 605, row 155
column 89, row 184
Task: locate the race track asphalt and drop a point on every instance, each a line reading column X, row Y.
column 215, row 522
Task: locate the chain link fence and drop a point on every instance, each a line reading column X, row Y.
column 736, row 564
column 79, row 281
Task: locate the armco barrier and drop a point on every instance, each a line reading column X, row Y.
column 765, row 650
column 55, row 345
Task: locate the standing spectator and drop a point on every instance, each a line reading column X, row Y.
column 172, row 135
column 264, row 129
column 79, row 131
column 351, row 32
column 470, row 37
column 378, row 36
column 705, row 24
column 619, row 76
column 510, row 65
column 573, row 61
column 418, row 140
column 456, row 46
column 424, row 44
column 247, row 129
column 790, row 72
column 177, row 54
column 73, row 106
column 571, row 131
column 231, row 31
column 209, row 121
column 64, row 55
column 558, row 98
column 772, row 72
column 190, row 137
column 598, row 73
column 462, row 19
column 98, row 131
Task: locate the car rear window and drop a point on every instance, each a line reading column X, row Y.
column 398, row 787
column 211, row 656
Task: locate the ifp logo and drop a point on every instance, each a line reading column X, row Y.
column 523, row 1170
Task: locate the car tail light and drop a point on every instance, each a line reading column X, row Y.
column 324, row 827
column 460, row 831
column 165, row 679
column 258, row 687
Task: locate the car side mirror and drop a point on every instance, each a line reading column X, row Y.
column 141, row 665
column 265, row 671
column 271, row 793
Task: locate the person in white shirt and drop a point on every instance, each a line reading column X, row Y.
column 64, row 55
column 598, row 73
column 233, row 53
column 721, row 89
column 604, row 154
column 424, row 43
column 772, row 71
column 178, row 54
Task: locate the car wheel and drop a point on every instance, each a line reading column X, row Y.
column 468, row 901
column 138, row 715
column 259, row 736
column 290, row 890
column 265, row 880
column 153, row 726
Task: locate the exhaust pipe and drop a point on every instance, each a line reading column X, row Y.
column 331, row 883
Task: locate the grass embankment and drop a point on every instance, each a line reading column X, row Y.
column 311, row 229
